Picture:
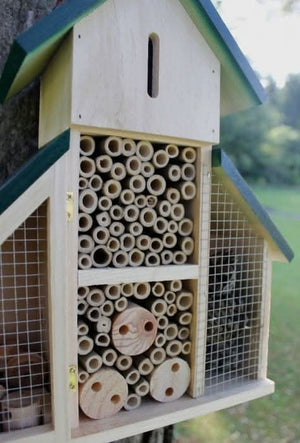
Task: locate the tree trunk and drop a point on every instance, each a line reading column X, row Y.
column 19, row 124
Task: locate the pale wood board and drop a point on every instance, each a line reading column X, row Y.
column 37, row 434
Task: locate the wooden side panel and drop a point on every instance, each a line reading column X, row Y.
column 110, row 64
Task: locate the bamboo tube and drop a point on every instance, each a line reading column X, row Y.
column 128, row 147
column 177, row 212
column 87, row 167
column 170, row 380
column 127, row 242
column 85, row 345
column 188, row 155
column 144, row 150
column 183, row 333
column 104, row 203
column 169, row 240
column 107, row 309
column 160, row 159
column 147, row 217
column 82, row 183
column 133, row 165
column 82, row 292
column 118, row 171
column 184, row 300
column 100, row 235
column 87, row 145
column 82, row 375
column 91, row 362
column 143, row 364
column 127, row 197
column 120, row 259
column 95, row 182
column 104, row 163
column 158, row 289
column 109, row 357
column 113, row 244
column 156, row 185
column 104, row 394
column 93, row 314
column 156, row 245
column 160, row 225
column 188, row 172
column 135, row 229
column 123, row 362
column 171, row 331
column 173, row 173
column 162, row 322
column 134, row 330
column 160, row 340
column 172, row 151
column 186, row 347
column 158, row 307
column 142, row 387
column 188, row 190
column 185, row 227
column 140, row 201
column 112, row 292
column 172, row 227
column 84, row 261
column 133, row 402
column 157, row 355
column 116, row 229
column 88, row 201
column 121, row 304
column 127, row 289
column 103, row 324
column 172, row 309
column 82, row 328
column 143, row 242
column 101, row 256
column 173, row 195
column 82, row 307
column 169, row 297
column 131, row 213
column 152, row 259
column 102, row 339
column 112, row 189
column 164, row 208
column 131, row 375
column 151, row 201
column 187, row 245
column 85, row 222
column 184, row 318
column 112, row 146
column 147, row 169
column 166, row 257
column 85, row 243
column 141, row 290
column 137, row 183
column 103, row 219
column 173, row 348
column 179, row 258
column 136, row 257
column 116, row 212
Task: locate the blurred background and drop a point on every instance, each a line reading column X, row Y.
column 264, row 143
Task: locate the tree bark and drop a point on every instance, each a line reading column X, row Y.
column 19, row 125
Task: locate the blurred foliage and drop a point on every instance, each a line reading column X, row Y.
column 264, row 142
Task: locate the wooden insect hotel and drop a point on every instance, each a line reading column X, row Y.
column 135, row 263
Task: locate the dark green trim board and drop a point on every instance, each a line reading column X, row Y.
column 222, row 165
column 33, row 169
column 33, row 49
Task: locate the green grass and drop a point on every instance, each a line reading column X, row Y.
column 276, row 418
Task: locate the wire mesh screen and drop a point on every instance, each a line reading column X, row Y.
column 235, row 294
column 24, row 369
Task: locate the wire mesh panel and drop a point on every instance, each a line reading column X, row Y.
column 235, row 294
column 24, row 356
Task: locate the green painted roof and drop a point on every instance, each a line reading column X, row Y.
column 32, row 50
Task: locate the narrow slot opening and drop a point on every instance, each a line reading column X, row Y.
column 153, row 65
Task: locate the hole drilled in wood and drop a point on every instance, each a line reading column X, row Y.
column 148, row 326
column 123, row 330
column 96, row 387
column 169, row 392
column 115, row 399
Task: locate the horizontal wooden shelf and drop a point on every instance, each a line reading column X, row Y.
column 146, row 418
column 140, row 274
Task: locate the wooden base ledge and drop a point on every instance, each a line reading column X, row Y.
column 147, row 418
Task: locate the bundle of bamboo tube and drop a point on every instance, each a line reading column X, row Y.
column 131, row 334
column 133, row 203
